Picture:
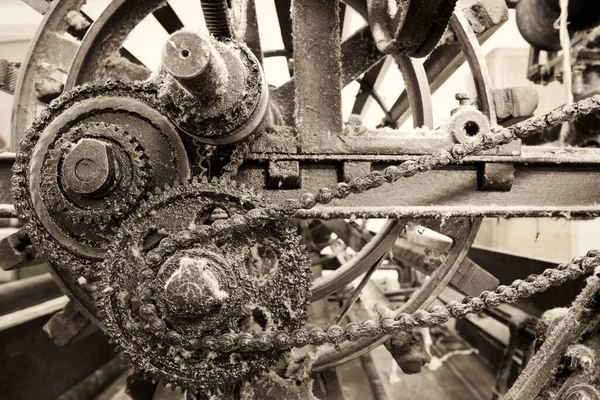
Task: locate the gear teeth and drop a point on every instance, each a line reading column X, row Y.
column 62, row 205
column 162, row 196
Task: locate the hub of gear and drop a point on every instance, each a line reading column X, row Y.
column 173, row 279
column 63, row 176
column 86, row 163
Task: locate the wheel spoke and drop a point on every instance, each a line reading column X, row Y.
column 283, row 8
column 40, row 6
column 357, row 291
column 440, row 65
column 359, row 53
column 166, row 16
column 360, row 263
column 367, row 84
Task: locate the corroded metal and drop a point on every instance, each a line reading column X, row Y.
column 568, row 330
column 60, row 220
column 206, row 283
column 90, row 168
column 189, row 281
column 212, row 90
column 334, row 334
column 412, row 28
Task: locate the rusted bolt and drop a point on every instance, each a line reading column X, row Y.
column 195, row 288
column 463, row 99
column 194, row 62
column 91, row 168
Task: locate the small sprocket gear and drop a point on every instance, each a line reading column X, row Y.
column 172, row 278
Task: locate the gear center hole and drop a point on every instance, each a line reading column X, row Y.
column 185, row 53
column 471, row 128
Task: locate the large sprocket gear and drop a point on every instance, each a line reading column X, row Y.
column 72, row 231
column 173, row 278
column 135, row 171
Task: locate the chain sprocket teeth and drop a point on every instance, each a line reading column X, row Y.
column 195, row 189
column 144, row 92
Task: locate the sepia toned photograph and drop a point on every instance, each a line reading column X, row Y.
column 299, row 200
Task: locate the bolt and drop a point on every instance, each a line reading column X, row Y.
column 582, row 358
column 463, row 99
column 194, row 288
column 195, row 63
column 91, row 168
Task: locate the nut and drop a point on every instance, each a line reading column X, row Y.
column 91, row 168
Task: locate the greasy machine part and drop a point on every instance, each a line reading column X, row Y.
column 188, row 289
column 172, row 278
column 86, row 163
column 213, row 90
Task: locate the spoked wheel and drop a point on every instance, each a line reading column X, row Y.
column 100, row 54
column 203, row 282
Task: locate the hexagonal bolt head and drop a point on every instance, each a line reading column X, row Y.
column 91, row 168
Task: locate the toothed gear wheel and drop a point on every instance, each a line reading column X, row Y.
column 69, row 207
column 173, row 278
column 144, row 150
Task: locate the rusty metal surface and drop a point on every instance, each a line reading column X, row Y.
column 581, row 317
column 358, row 54
column 411, row 28
column 538, row 190
column 177, row 287
column 317, row 72
column 548, row 181
column 439, row 66
column 51, row 48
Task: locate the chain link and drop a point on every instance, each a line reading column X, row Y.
column 490, row 140
column 335, row 334
column 437, row 315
